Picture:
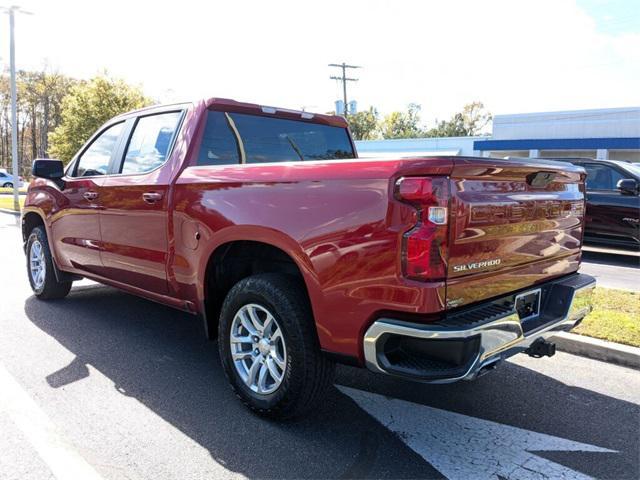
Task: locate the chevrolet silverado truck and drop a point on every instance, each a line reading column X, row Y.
column 297, row 255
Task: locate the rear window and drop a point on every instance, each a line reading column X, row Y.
column 231, row 137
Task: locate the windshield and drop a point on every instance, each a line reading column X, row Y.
column 634, row 168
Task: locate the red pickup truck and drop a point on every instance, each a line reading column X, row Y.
column 297, row 255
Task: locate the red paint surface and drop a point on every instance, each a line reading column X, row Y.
column 337, row 220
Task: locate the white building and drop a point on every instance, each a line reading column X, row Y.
column 418, row 146
column 612, row 133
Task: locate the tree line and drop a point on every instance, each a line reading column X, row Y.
column 39, row 111
column 56, row 114
column 369, row 125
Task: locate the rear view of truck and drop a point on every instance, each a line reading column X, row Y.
column 298, row 254
column 504, row 236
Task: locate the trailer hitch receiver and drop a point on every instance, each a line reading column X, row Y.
column 541, row 348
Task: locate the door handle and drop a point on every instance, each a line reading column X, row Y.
column 90, row 195
column 152, row 197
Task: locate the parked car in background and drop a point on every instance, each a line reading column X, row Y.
column 6, row 179
column 298, row 254
column 613, row 202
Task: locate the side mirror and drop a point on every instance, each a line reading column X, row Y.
column 49, row 168
column 628, row 186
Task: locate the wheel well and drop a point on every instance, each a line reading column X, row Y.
column 233, row 261
column 29, row 222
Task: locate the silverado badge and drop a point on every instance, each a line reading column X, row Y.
column 476, row 265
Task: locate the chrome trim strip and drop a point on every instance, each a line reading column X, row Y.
column 495, row 337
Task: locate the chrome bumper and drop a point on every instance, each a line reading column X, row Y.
column 469, row 345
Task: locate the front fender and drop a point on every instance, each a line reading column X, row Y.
column 27, row 223
column 24, row 222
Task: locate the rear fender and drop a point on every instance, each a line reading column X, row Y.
column 261, row 234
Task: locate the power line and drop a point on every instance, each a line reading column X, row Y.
column 344, row 79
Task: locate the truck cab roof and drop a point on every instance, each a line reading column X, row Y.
column 230, row 105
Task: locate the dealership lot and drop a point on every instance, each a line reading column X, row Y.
column 107, row 385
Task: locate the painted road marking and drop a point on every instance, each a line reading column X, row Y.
column 463, row 447
column 63, row 461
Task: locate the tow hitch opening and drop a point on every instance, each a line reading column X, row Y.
column 541, row 348
column 528, row 305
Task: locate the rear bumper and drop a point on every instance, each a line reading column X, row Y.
column 474, row 340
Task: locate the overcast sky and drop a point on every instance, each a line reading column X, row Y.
column 515, row 56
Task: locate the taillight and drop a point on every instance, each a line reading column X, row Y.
column 425, row 246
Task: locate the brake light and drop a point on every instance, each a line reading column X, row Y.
column 425, row 246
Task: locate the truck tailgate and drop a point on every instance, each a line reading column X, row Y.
column 514, row 223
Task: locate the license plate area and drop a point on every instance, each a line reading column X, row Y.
column 528, row 305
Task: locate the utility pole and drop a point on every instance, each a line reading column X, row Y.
column 344, row 81
column 14, row 113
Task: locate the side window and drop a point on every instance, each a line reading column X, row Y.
column 95, row 159
column 601, row 177
column 219, row 145
column 150, row 141
column 2, row 175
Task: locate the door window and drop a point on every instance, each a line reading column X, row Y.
column 602, row 177
column 95, row 159
column 150, row 142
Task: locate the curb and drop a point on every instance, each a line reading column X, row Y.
column 12, row 212
column 610, row 352
column 610, row 251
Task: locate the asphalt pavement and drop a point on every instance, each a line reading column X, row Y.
column 106, row 385
column 620, row 271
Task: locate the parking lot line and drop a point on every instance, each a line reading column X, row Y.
column 463, row 447
column 61, row 458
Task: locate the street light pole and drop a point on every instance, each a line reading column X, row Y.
column 14, row 100
column 14, row 113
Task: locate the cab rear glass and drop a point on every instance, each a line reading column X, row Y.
column 231, row 138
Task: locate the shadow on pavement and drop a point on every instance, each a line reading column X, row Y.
column 160, row 357
column 614, row 260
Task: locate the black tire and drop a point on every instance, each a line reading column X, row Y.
column 8, row 185
column 51, row 288
column 308, row 373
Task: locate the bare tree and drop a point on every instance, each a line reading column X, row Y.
column 40, row 95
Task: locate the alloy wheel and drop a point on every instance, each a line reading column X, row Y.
column 258, row 349
column 37, row 264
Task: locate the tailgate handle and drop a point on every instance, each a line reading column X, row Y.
column 152, row 197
